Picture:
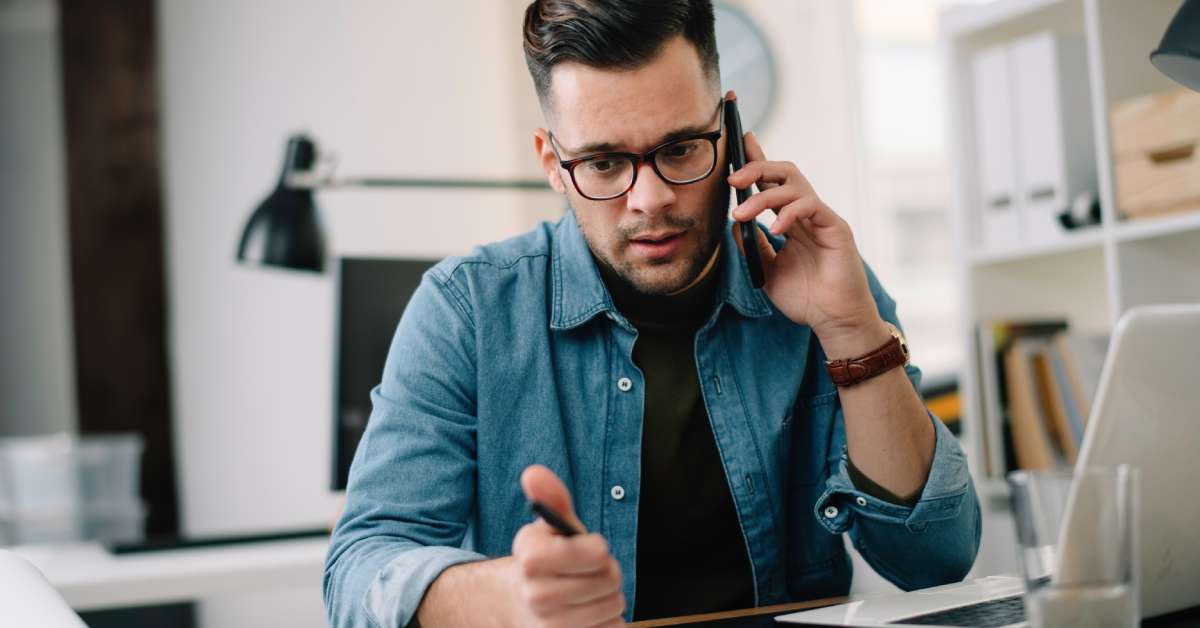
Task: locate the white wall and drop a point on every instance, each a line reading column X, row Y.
column 392, row 88
column 400, row 88
column 37, row 369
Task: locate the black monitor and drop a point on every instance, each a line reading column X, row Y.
column 372, row 294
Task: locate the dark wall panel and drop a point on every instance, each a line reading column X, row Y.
column 110, row 96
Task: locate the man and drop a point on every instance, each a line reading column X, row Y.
column 619, row 368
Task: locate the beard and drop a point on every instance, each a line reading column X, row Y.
column 664, row 277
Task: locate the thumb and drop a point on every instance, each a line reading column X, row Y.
column 765, row 250
column 754, row 152
column 541, row 485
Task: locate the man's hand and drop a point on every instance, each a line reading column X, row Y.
column 817, row 278
column 561, row 581
column 550, row 581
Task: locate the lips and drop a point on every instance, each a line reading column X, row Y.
column 657, row 245
column 656, row 238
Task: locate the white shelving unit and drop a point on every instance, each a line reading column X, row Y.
column 1089, row 277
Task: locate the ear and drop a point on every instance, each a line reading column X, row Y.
column 548, row 160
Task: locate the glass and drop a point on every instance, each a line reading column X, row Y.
column 1077, row 543
column 604, row 176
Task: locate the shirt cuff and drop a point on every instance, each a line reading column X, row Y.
column 943, row 494
column 397, row 591
column 872, row 488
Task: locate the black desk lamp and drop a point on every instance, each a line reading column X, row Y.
column 284, row 231
column 1178, row 56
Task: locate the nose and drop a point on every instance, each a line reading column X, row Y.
column 650, row 194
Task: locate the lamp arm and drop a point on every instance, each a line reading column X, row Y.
column 311, row 179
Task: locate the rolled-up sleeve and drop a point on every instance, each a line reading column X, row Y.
column 932, row 542
column 410, row 490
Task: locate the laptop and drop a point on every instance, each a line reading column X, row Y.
column 26, row 599
column 1147, row 414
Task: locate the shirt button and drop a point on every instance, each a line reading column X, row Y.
column 861, row 501
column 624, row 384
column 617, row 492
column 831, row 512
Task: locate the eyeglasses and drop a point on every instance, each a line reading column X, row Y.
column 605, row 176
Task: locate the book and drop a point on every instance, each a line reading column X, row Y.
column 1053, row 405
column 994, row 338
column 1033, row 447
column 1069, row 388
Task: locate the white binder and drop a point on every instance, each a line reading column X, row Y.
column 1054, row 146
column 999, row 219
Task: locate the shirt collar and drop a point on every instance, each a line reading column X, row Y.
column 578, row 293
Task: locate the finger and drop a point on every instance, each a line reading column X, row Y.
column 767, row 174
column 754, row 150
column 812, row 212
column 541, row 485
column 546, row 595
column 596, row 613
column 765, row 250
column 773, row 198
column 546, row 554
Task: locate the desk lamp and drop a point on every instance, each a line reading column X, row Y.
column 1178, row 56
column 285, row 232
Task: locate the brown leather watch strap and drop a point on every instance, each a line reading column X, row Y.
column 845, row 373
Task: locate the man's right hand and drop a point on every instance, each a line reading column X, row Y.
column 550, row 581
column 558, row 580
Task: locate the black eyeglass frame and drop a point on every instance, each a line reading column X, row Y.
column 646, row 157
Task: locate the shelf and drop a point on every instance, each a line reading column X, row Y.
column 1085, row 239
column 1147, row 228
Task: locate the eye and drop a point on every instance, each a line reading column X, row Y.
column 683, row 149
column 602, row 165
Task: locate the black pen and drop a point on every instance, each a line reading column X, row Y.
column 554, row 519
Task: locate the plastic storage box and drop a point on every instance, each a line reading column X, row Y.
column 62, row 488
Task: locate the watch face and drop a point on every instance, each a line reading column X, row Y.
column 903, row 341
column 747, row 66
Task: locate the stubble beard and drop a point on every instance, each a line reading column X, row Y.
column 657, row 279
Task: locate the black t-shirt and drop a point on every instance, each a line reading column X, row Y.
column 691, row 553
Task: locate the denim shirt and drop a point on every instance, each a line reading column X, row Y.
column 515, row 355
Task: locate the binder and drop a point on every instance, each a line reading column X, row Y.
column 1055, row 158
column 999, row 221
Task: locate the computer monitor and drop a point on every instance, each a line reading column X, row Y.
column 372, row 294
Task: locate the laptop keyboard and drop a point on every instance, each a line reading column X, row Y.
column 990, row 614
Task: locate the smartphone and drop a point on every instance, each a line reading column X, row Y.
column 736, row 150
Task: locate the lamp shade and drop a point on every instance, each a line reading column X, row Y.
column 1178, row 56
column 284, row 230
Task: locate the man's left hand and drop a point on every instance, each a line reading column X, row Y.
column 817, row 278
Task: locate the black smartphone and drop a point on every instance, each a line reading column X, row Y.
column 736, row 149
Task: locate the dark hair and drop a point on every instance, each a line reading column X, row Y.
column 616, row 34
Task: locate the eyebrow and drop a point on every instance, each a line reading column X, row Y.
column 610, row 147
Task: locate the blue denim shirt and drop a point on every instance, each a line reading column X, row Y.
column 515, row 355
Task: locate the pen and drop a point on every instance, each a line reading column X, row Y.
column 553, row 519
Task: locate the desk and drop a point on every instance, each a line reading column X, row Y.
column 746, row 618
column 90, row 578
column 764, row 617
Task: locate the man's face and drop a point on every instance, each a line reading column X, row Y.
column 658, row 237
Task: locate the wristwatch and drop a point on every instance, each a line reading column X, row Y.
column 853, row 371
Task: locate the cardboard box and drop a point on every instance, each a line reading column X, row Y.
column 1156, row 153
